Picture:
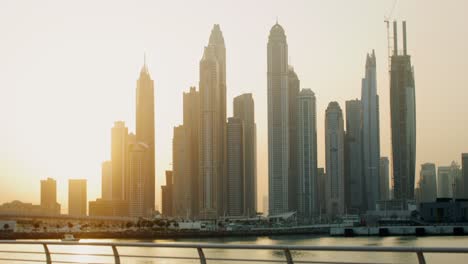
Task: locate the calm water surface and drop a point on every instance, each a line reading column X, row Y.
column 447, row 241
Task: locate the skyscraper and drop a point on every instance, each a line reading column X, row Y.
column 384, row 174
column 181, row 179
column 106, row 176
column 464, row 158
column 370, row 133
column 119, row 160
column 321, row 190
column 293, row 92
column 145, row 132
column 244, row 109
column 49, row 203
column 354, row 181
column 192, row 136
column 77, row 197
column 166, row 195
column 403, row 120
column 334, row 157
column 235, row 167
column 213, row 127
column 139, row 203
column 307, row 197
column 428, row 182
column 278, row 121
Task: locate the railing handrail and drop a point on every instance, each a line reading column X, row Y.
column 247, row 246
column 286, row 249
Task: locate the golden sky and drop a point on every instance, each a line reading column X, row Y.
column 68, row 70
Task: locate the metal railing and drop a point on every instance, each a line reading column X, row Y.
column 286, row 249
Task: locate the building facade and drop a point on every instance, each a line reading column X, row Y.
column 334, row 159
column 77, row 197
column 293, row 174
column 370, row 133
column 278, row 121
column 139, row 168
column 235, row 167
column 181, row 179
column 244, row 109
column 106, row 180
column 428, row 183
column 49, row 203
column 444, row 182
column 403, row 119
column 213, row 127
column 307, row 196
column 384, row 174
column 355, row 184
column 166, row 196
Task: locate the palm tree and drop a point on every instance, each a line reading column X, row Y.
column 6, row 226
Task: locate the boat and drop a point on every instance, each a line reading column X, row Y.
column 70, row 237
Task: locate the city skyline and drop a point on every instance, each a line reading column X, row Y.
column 258, row 93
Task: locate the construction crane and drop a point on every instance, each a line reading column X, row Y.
column 387, row 20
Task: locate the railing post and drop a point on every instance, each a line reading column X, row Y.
column 201, row 255
column 47, row 253
column 288, row 256
column 421, row 259
column 116, row 254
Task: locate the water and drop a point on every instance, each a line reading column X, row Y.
column 360, row 257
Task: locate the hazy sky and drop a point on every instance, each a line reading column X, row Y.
column 68, row 70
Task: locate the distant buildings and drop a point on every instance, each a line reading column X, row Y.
column 235, row 167
column 138, row 171
column 403, row 119
column 77, row 197
column 384, row 174
column 213, row 127
column 428, row 182
column 49, row 203
column 307, row 189
column 334, row 158
column 293, row 174
column 321, row 187
column 355, row 185
column 370, row 133
column 102, row 207
column 244, row 109
column 278, row 121
column 166, row 194
column 181, row 195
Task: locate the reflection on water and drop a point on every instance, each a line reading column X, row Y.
column 257, row 254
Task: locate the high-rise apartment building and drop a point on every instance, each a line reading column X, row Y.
column 306, row 161
column 384, row 174
column 181, row 179
column 370, row 133
column 213, row 127
column 244, row 109
column 145, row 134
column 334, row 157
column 354, row 180
column 403, row 119
column 321, row 190
column 293, row 175
column 49, row 203
column 235, row 167
column 119, row 152
column 428, row 182
column 278, row 121
column 77, row 197
column 192, row 140
column 106, row 180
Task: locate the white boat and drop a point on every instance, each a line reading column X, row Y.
column 69, row 237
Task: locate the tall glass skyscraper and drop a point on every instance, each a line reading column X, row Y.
column 278, row 121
